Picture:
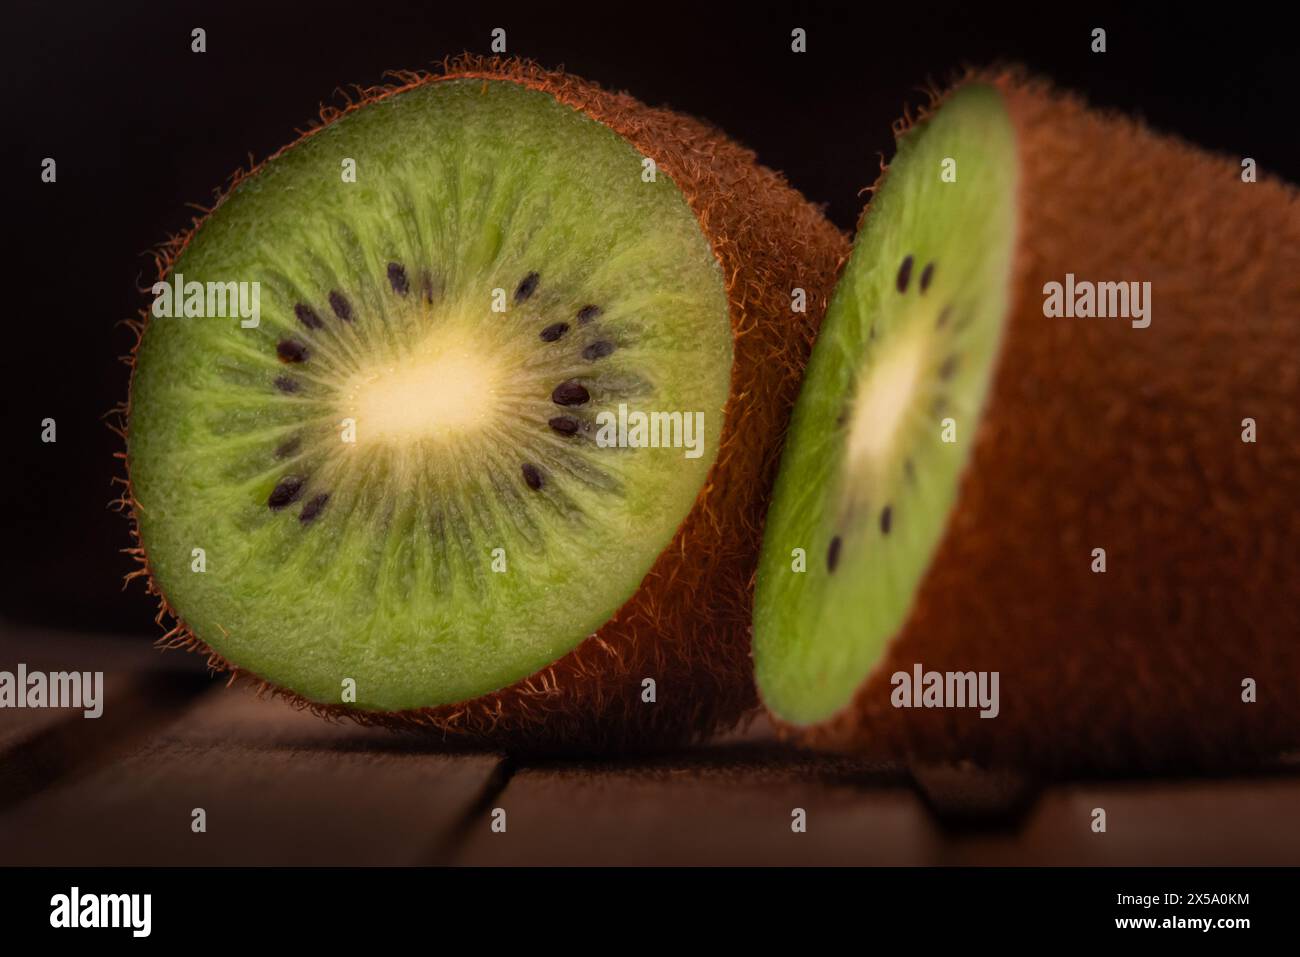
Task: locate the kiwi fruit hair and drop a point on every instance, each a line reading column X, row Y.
column 394, row 483
column 982, row 479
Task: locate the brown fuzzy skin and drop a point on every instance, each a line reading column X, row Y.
column 687, row 626
column 1100, row 435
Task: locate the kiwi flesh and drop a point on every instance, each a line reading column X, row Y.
column 407, row 508
column 957, row 457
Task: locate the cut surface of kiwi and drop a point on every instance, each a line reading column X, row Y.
column 397, row 477
column 902, row 367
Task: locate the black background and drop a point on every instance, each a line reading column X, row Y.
column 140, row 126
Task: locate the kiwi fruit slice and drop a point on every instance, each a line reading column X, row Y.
column 414, row 491
column 975, row 482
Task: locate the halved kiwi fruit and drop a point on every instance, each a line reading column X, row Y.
column 416, row 484
column 973, row 483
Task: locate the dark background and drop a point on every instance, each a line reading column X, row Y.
column 140, row 127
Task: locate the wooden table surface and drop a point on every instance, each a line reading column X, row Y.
column 280, row 786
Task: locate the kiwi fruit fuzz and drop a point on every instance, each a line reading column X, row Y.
column 494, row 457
column 1050, row 434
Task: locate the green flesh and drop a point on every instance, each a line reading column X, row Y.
column 465, row 187
column 867, row 432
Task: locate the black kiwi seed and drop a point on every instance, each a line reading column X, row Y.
column 307, row 316
column 532, row 476
column 886, row 519
column 527, row 286
column 564, row 424
column 833, row 554
column 397, row 278
column 904, row 274
column 342, row 308
column 598, row 350
column 588, row 313
column 286, row 492
column 570, row 393
column 926, row 275
column 944, row 314
column 426, row 286
column 554, row 331
column 313, row 507
column 288, row 448
column 290, row 350
column 285, row 384
column 948, row 368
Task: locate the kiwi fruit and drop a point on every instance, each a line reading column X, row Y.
column 981, row 479
column 400, row 496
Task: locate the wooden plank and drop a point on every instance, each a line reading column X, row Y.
column 278, row 786
column 63, row 745
column 281, row 786
column 1229, row 822
column 141, row 688
column 727, row 804
column 122, row 661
